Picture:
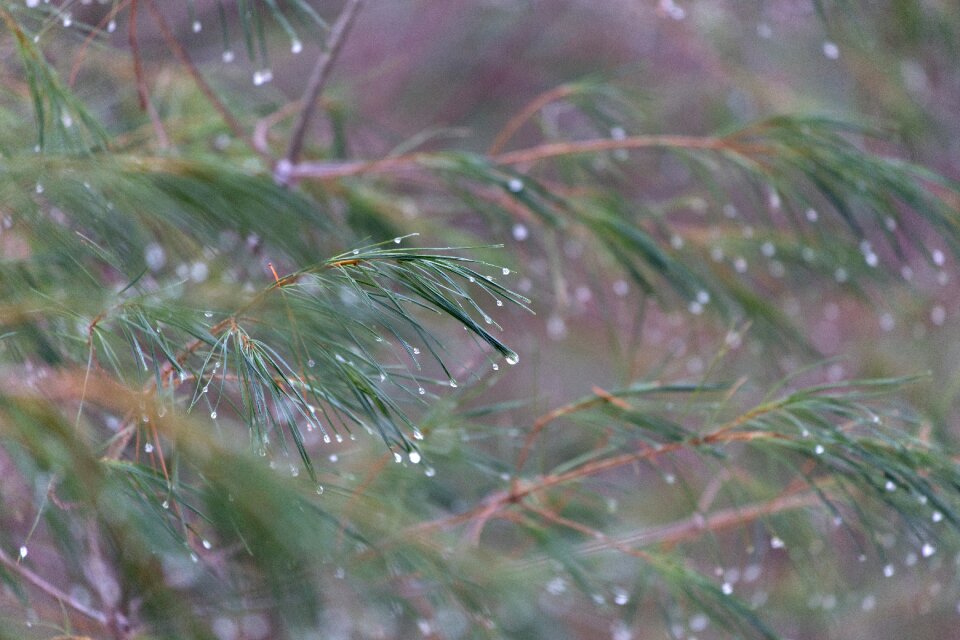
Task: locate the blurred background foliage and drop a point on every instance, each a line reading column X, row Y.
column 558, row 319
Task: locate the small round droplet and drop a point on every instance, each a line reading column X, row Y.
column 296, row 46
column 24, row 551
column 928, row 550
column 831, row 50
column 197, row 27
column 319, row 489
column 818, row 449
column 148, row 448
column 453, row 383
column 505, row 271
column 520, row 232
column 397, row 457
column 206, row 544
column 227, row 56
column 414, row 457
column 515, row 185
column 512, row 358
column 421, row 390
column 213, row 415
column 165, row 504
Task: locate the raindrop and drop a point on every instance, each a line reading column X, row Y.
column 703, row 297
column 512, row 358
column 206, row 544
column 67, row 19
column 148, row 448
column 812, row 215
column 296, row 46
column 154, row 256
column 165, row 504
column 111, row 26
column 505, row 271
column 520, row 232
column 888, row 571
column 740, row 264
column 33, row 3
column 213, row 415
column 207, row 314
column 414, row 457
column 24, row 551
column 499, row 303
column 453, row 383
column 197, row 27
column 227, row 56
column 421, row 390
column 726, row 588
column 938, row 258
column 311, row 363
column 695, row 308
column 831, row 50
column 840, row 275
column 819, row 450
column 928, row 550
column 776, row 543
column 67, row 120
column 515, row 185
column 621, row 288
column 429, row 472
column 262, row 77
column 319, row 489
column 417, row 434
column 890, row 485
column 338, row 437
column 397, row 457
column 39, row 188
column 416, row 351
column 194, row 558
column 936, row 516
column 398, row 240
column 937, row 315
column 326, row 438
column 869, row 603
column 496, row 367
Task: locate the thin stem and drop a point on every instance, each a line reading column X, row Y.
column 198, row 78
column 535, row 105
column 163, row 141
column 52, row 591
column 318, row 78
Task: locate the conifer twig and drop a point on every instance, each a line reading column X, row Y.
column 318, row 78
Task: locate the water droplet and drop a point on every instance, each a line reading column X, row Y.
column 938, row 315
column 841, row 275
column 512, row 358
column 831, row 50
column 67, row 19
column 429, row 472
column 197, row 27
column 111, row 26
column 936, row 516
column 928, row 550
column 812, row 215
column 888, row 571
column 621, row 288
column 818, row 449
column 213, row 415
column 416, row 351
column 227, row 56
column 165, row 504
column 777, row 543
column 294, row 470
column 421, row 390
column 505, row 271
column 207, row 314
column 453, row 383
column 194, row 558
column 262, row 77
column 148, row 448
column 726, row 588
column 24, row 551
column 206, row 544
column 414, row 457
column 326, row 438
column 338, row 437
column 520, row 232
column 890, row 485
column 296, row 47
column 319, row 489
column 397, row 457
column 33, row 3
column 515, row 185
column 39, row 188
column 67, row 120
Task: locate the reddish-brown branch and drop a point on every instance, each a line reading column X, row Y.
column 517, row 121
column 318, row 78
column 181, row 54
column 81, row 53
column 163, row 141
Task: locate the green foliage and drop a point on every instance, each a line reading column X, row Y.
column 198, row 337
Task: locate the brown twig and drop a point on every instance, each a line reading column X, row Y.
column 517, row 121
column 40, row 583
column 81, row 53
column 163, row 141
column 318, row 78
column 178, row 50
